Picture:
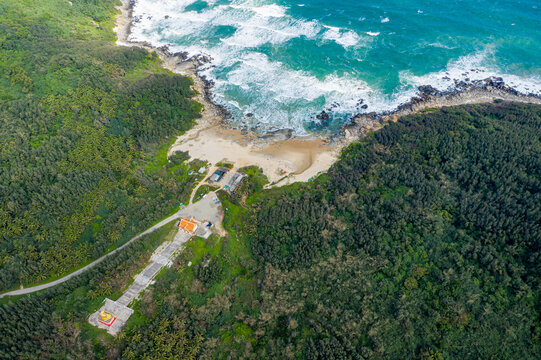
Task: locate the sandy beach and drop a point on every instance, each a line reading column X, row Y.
column 283, row 157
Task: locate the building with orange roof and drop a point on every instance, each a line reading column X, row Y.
column 188, row 225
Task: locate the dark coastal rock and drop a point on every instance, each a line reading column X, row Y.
column 427, row 96
column 183, row 55
column 323, row 116
column 165, row 49
column 278, row 135
column 427, row 90
column 371, row 116
column 495, row 82
column 146, row 44
column 495, row 86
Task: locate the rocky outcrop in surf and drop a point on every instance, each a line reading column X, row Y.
column 465, row 92
column 325, row 123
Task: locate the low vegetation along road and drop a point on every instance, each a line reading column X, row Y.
column 93, row 263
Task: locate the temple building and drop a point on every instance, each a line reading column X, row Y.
column 106, row 318
column 188, row 225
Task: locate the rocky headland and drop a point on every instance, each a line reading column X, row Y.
column 284, row 156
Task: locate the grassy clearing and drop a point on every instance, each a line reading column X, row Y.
column 251, row 186
column 151, row 65
column 157, row 157
column 79, row 20
column 226, row 164
column 176, row 164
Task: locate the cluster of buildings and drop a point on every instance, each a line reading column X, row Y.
column 113, row 315
column 230, row 179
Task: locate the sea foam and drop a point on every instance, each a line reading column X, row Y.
column 469, row 68
column 252, row 44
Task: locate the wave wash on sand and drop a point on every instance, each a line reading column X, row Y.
column 277, row 65
column 286, row 157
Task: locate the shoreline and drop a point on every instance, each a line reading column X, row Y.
column 284, row 157
column 478, row 92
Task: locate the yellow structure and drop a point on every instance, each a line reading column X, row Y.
column 106, row 318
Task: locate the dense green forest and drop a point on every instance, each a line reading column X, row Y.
column 422, row 242
column 53, row 324
column 81, row 122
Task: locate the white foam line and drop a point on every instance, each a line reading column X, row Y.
column 470, row 68
column 277, row 95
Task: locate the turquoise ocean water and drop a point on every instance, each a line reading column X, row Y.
column 284, row 61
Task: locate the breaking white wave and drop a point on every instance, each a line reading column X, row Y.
column 272, row 10
column 478, row 66
column 277, row 95
column 344, row 37
column 246, row 80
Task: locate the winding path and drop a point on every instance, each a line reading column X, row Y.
column 92, row 264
